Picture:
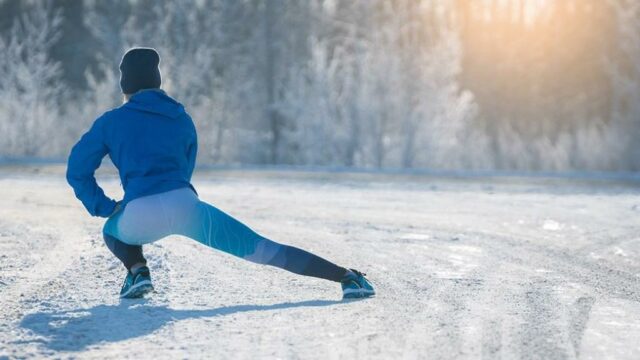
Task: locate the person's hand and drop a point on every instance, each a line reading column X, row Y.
column 116, row 209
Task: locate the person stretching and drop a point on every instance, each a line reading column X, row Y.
column 152, row 142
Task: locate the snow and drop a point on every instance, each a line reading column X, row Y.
column 465, row 267
column 551, row 225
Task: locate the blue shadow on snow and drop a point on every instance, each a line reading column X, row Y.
column 75, row 330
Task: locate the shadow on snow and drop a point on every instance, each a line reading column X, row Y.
column 76, row 330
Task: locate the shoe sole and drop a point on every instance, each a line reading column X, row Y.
column 138, row 290
column 357, row 293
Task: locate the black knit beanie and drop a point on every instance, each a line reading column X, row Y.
column 139, row 70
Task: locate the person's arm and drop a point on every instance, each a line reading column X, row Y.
column 192, row 153
column 86, row 156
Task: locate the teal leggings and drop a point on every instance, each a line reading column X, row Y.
column 180, row 212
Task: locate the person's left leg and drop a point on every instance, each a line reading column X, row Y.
column 130, row 255
column 124, row 234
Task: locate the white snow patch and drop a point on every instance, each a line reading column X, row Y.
column 552, row 225
column 544, row 271
column 415, row 236
column 619, row 252
column 612, row 331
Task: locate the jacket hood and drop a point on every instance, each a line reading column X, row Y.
column 155, row 101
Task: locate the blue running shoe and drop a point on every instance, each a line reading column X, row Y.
column 136, row 284
column 355, row 285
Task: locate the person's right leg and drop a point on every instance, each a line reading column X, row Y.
column 216, row 229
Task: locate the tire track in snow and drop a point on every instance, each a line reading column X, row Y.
column 34, row 289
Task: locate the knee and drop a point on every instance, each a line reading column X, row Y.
column 108, row 234
column 112, row 237
column 113, row 231
column 265, row 252
column 113, row 241
column 109, row 240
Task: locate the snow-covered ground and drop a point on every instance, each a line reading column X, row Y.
column 498, row 267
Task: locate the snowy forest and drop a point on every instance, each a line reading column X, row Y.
column 534, row 85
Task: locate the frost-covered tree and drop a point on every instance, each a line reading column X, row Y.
column 366, row 83
column 625, row 75
column 381, row 91
column 30, row 87
column 208, row 63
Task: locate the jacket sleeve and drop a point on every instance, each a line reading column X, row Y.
column 192, row 153
column 86, row 156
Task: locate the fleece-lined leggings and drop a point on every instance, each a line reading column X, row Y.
column 180, row 212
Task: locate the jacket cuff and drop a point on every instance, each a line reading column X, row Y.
column 106, row 208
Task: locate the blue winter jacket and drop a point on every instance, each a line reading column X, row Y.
column 151, row 140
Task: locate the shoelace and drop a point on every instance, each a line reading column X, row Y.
column 355, row 280
column 358, row 272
